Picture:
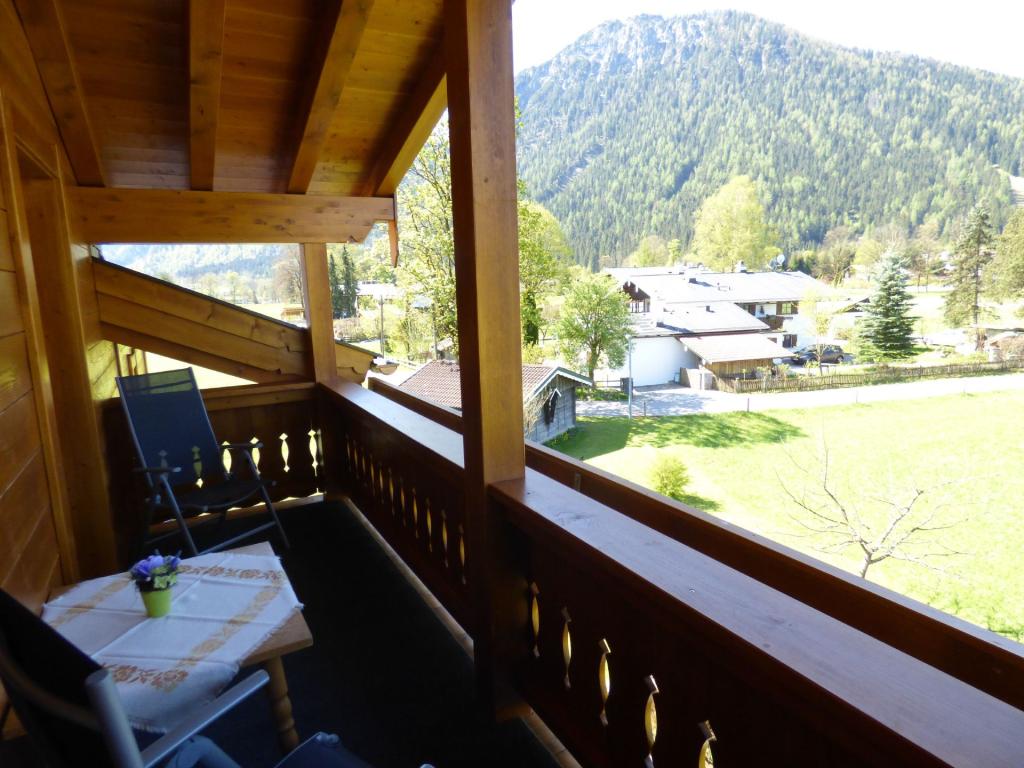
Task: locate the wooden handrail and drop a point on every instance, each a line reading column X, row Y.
column 878, row 704
column 988, row 661
column 780, row 680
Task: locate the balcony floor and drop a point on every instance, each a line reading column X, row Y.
column 384, row 672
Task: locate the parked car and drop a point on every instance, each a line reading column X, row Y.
column 830, row 353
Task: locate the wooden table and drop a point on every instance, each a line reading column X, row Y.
column 293, row 636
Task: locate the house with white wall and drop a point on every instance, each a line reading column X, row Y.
column 689, row 319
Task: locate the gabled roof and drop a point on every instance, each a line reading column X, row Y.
column 438, row 381
column 734, row 347
column 712, row 317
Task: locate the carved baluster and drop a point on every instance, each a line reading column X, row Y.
column 430, row 525
column 284, row 450
column 415, row 515
column 705, row 759
column 535, row 617
column 444, row 536
column 313, row 450
column 566, row 646
column 604, row 679
column 255, row 454
column 651, row 720
column 320, row 447
column 462, row 552
column 225, row 456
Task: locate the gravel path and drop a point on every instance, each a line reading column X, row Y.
column 678, row 401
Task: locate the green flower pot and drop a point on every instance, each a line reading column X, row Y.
column 157, row 602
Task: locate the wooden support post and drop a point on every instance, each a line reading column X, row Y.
column 316, row 290
column 57, row 269
column 478, row 36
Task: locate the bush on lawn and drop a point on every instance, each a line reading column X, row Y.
column 669, row 476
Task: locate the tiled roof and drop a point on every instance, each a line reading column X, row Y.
column 438, row 381
column 731, row 347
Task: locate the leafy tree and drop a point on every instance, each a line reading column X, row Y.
column 731, row 227
column 652, row 251
column 595, row 323
column 1008, row 265
column 973, row 253
column 922, row 254
column 818, row 312
column 544, row 254
column 675, row 251
column 429, row 248
column 288, row 278
column 888, row 326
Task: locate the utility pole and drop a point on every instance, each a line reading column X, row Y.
column 382, row 323
column 630, row 387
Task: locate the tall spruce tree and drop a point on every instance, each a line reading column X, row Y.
column 349, row 284
column 334, row 280
column 973, row 253
column 888, row 326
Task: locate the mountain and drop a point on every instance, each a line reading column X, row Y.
column 626, row 132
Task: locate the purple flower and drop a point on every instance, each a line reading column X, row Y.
column 153, row 566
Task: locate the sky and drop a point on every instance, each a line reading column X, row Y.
column 982, row 33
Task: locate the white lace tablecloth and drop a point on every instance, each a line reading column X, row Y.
column 224, row 606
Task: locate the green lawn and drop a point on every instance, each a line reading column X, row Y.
column 967, row 450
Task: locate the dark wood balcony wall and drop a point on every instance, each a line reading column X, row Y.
column 624, row 622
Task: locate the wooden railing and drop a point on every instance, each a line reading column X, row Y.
column 404, row 472
column 988, row 661
column 283, row 417
column 646, row 606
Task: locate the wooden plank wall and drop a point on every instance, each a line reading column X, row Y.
column 29, row 554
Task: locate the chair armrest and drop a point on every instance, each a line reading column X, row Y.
column 243, row 446
column 158, row 470
column 163, row 747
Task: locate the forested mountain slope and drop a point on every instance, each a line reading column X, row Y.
column 625, row 132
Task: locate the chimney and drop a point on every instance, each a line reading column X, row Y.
column 741, row 266
column 707, row 307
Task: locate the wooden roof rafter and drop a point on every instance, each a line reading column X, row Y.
column 44, row 26
column 205, row 66
column 423, row 109
column 333, row 67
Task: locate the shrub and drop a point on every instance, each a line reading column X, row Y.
column 669, row 476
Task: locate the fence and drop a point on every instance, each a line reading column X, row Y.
column 883, row 374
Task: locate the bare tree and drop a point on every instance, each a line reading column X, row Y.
column 902, row 531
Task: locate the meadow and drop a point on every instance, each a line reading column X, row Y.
column 964, row 451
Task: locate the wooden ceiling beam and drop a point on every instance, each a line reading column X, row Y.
column 189, row 216
column 205, row 64
column 334, row 66
column 47, row 36
column 423, row 109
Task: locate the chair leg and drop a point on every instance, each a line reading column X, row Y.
column 181, row 521
column 273, row 514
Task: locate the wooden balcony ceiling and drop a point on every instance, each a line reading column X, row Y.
column 298, row 96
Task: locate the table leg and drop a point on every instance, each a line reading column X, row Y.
column 281, row 705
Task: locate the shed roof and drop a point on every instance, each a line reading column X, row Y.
column 732, row 347
column 438, row 381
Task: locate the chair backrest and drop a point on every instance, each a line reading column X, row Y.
column 46, row 678
column 169, row 423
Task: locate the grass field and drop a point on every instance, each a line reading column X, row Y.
column 967, row 450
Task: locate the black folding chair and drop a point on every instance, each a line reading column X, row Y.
column 71, row 710
column 175, row 446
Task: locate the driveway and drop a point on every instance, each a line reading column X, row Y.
column 679, row 401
